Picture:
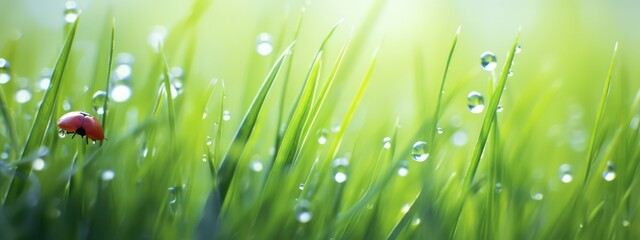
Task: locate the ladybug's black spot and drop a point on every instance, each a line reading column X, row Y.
column 81, row 132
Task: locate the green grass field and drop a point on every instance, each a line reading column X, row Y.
column 321, row 119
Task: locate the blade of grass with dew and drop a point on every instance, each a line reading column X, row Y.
column 592, row 151
column 489, row 117
column 105, row 105
column 230, row 161
column 333, row 149
column 217, row 148
column 438, row 111
column 42, row 120
column 285, row 86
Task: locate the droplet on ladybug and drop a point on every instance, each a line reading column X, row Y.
column 83, row 124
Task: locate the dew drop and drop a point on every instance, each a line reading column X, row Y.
column 609, row 173
column 510, row 73
column 303, row 211
column 340, row 166
column 157, row 36
column 386, row 142
column 66, row 105
column 405, row 208
column 204, row 157
column 565, row 173
column 226, row 115
column 256, row 166
column 264, row 44
column 488, row 61
column 71, row 11
column 626, row 223
column 475, row 102
column 62, row 133
column 416, row 221
column 99, row 99
column 5, row 75
column 38, row 164
column 518, row 48
column 322, row 136
column 404, row 169
column 499, row 109
column 439, row 130
column 23, row 96
column 537, row 196
column 301, row 187
column 108, row 175
column 209, row 141
column 204, row 115
column 498, row 188
column 419, row 151
column 120, row 93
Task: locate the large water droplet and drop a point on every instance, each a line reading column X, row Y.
column 120, row 93
column 99, row 99
column 565, row 173
column 71, row 11
column 108, row 175
column 419, row 151
column 610, row 172
column 475, row 102
column 322, row 136
column 303, row 211
column 5, row 75
column 386, row 142
column 340, row 166
column 23, row 96
column 488, row 61
column 38, row 164
column 62, row 133
column 157, row 36
column 264, row 44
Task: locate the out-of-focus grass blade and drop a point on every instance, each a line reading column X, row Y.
column 42, row 119
column 490, row 116
column 333, row 149
column 108, row 80
column 592, row 151
column 230, row 161
column 167, row 91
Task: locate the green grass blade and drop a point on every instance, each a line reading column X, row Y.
column 42, row 119
column 592, row 151
column 438, row 111
column 167, row 91
column 490, row 116
column 230, row 161
column 105, row 105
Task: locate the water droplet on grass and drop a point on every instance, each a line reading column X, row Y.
column 626, row 223
column 340, row 166
column 537, row 196
column 204, row 157
column 264, row 44
column 405, row 208
column 386, row 142
column 609, row 173
column 226, row 115
column 120, row 93
column 108, row 175
column 301, row 187
column 99, row 99
column 62, row 133
column 439, row 130
column 157, row 36
column 322, row 136
column 565, row 173
column 518, row 48
column 38, row 164
column 5, row 76
column 23, row 96
column 404, row 169
column 66, row 105
column 488, row 61
column 303, row 211
column 71, row 11
column 209, row 141
column 475, row 102
column 419, row 151
column 256, row 166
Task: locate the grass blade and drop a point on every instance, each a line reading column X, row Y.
column 42, row 119
column 490, row 116
column 230, row 161
column 592, row 151
column 108, row 80
column 438, row 111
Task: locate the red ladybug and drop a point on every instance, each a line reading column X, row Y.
column 83, row 124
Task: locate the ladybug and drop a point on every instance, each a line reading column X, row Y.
column 83, row 124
